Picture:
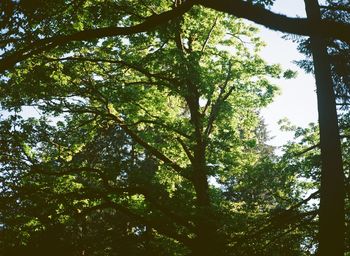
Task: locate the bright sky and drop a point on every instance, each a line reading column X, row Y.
column 297, row 101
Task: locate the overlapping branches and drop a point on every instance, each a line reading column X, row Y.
column 242, row 9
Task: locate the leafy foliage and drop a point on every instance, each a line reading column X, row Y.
column 147, row 144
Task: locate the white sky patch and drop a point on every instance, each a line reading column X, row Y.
column 297, row 100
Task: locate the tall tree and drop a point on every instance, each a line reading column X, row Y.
column 150, row 119
column 332, row 180
column 25, row 34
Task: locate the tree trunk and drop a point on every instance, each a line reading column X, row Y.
column 331, row 215
column 207, row 241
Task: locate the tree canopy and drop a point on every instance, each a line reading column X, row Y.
column 149, row 138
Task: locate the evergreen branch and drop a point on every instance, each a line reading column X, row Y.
column 336, row 8
column 282, row 219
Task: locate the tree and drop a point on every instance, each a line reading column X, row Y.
column 135, row 141
column 27, row 36
column 334, row 67
column 332, row 183
column 332, row 179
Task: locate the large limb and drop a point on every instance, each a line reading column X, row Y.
column 37, row 47
column 242, row 9
column 269, row 19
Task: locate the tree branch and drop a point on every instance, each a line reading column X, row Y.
column 221, row 98
column 154, row 151
column 307, row 150
column 279, row 22
column 118, row 62
column 9, row 61
column 156, row 224
column 241, row 9
column 186, row 149
column 209, row 34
